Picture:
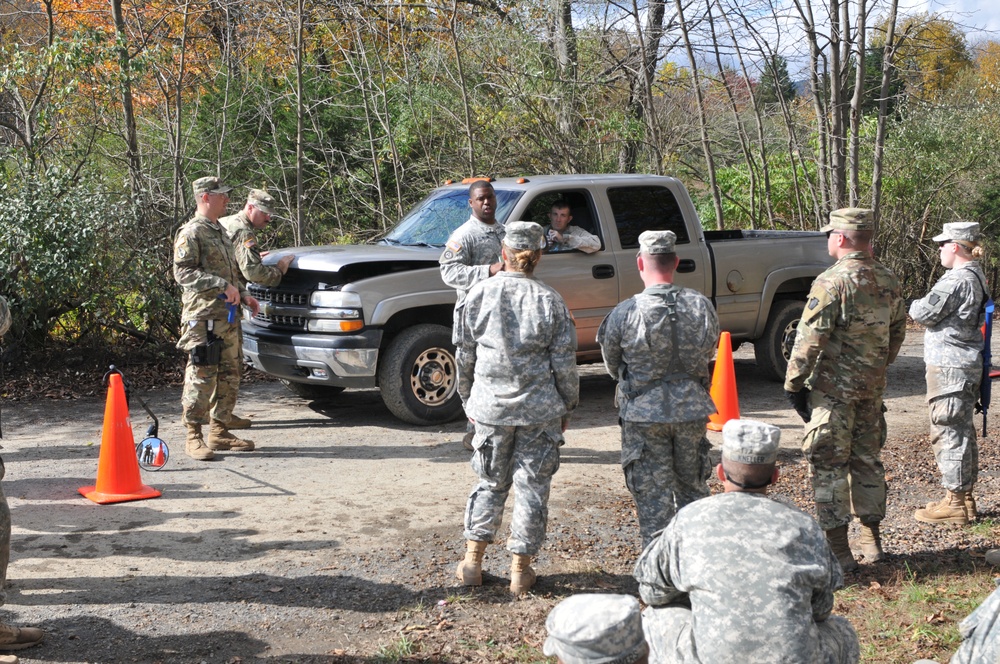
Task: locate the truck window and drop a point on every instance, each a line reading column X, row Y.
column 580, row 207
column 639, row 209
column 433, row 219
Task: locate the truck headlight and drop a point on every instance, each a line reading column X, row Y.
column 333, row 325
column 334, row 299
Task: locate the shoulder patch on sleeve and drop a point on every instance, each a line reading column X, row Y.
column 813, row 303
column 182, row 247
column 454, row 246
column 250, row 244
column 933, row 298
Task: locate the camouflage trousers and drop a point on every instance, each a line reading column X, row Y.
column 843, row 442
column 211, row 389
column 668, row 633
column 4, row 538
column 525, row 457
column 666, row 467
column 952, row 394
column 980, row 634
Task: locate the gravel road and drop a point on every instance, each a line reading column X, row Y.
column 336, row 540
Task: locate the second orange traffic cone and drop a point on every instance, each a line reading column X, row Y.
column 727, row 404
column 117, row 468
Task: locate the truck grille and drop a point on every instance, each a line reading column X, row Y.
column 297, row 322
column 278, row 296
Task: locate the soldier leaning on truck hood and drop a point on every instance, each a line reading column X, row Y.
column 471, row 255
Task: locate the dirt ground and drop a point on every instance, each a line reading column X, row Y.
column 336, row 541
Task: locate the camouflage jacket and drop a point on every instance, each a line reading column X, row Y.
column 851, row 329
column 953, row 312
column 244, row 238
column 656, row 382
column 517, row 352
column 574, row 237
column 759, row 575
column 467, row 256
column 204, row 263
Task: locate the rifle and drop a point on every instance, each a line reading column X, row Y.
column 986, row 385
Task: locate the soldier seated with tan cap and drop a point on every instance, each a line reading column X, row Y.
column 738, row 577
column 242, row 228
column 596, row 629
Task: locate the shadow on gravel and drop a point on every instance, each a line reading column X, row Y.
column 337, row 592
column 100, row 640
column 899, row 570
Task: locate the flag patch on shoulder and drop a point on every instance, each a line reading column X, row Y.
column 250, row 244
column 454, row 246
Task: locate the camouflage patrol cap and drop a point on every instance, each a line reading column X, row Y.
column 209, row 185
column 524, row 235
column 596, row 629
column 261, row 200
column 965, row 233
column 851, row 219
column 750, row 442
column 657, row 242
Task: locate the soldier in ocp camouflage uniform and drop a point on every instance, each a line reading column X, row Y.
column 851, row 329
column 471, row 255
column 596, row 629
column 519, row 383
column 206, row 269
column 242, row 229
column 658, row 344
column 11, row 638
column 739, row 577
column 953, row 313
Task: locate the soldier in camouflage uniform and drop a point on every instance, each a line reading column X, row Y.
column 953, row 313
column 242, row 229
column 518, row 382
column 980, row 635
column 205, row 267
column 739, row 577
column 560, row 236
column 596, row 629
column 471, row 255
column 851, row 329
column 11, row 638
column 658, row 344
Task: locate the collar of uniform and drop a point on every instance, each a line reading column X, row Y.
column 659, row 288
column 480, row 222
column 857, row 256
column 512, row 275
column 202, row 219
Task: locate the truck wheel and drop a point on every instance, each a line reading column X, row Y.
column 774, row 348
column 312, row 391
column 418, row 376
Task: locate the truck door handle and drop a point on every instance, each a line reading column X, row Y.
column 603, row 271
column 686, row 265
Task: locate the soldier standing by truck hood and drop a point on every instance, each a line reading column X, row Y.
column 471, row 255
column 242, row 228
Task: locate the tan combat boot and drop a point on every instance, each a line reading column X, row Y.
column 871, row 543
column 470, row 570
column 195, row 445
column 522, row 577
column 837, row 537
column 970, row 506
column 18, row 638
column 237, row 422
column 9, row 659
column 220, row 438
column 951, row 510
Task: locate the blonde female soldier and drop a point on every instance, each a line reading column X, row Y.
column 953, row 313
column 518, row 382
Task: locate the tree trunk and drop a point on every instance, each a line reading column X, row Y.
column 883, row 104
column 131, row 138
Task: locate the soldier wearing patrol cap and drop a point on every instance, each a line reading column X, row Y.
column 596, row 629
column 739, row 577
column 519, row 384
column 242, row 228
column 658, row 345
column 205, row 267
column 953, row 312
column 851, row 329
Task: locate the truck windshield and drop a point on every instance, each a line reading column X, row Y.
column 434, row 218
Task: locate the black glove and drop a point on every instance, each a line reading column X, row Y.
column 800, row 402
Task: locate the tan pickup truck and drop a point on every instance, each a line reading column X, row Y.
column 363, row 316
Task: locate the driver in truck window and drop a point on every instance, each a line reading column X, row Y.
column 560, row 236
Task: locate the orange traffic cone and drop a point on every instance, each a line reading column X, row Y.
column 159, row 459
column 118, row 468
column 727, row 404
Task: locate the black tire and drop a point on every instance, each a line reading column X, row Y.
column 311, row 391
column 774, row 347
column 418, row 376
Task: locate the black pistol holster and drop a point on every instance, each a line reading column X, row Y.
column 209, row 353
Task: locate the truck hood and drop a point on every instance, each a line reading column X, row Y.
column 335, row 257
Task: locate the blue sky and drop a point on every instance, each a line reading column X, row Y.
column 982, row 17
